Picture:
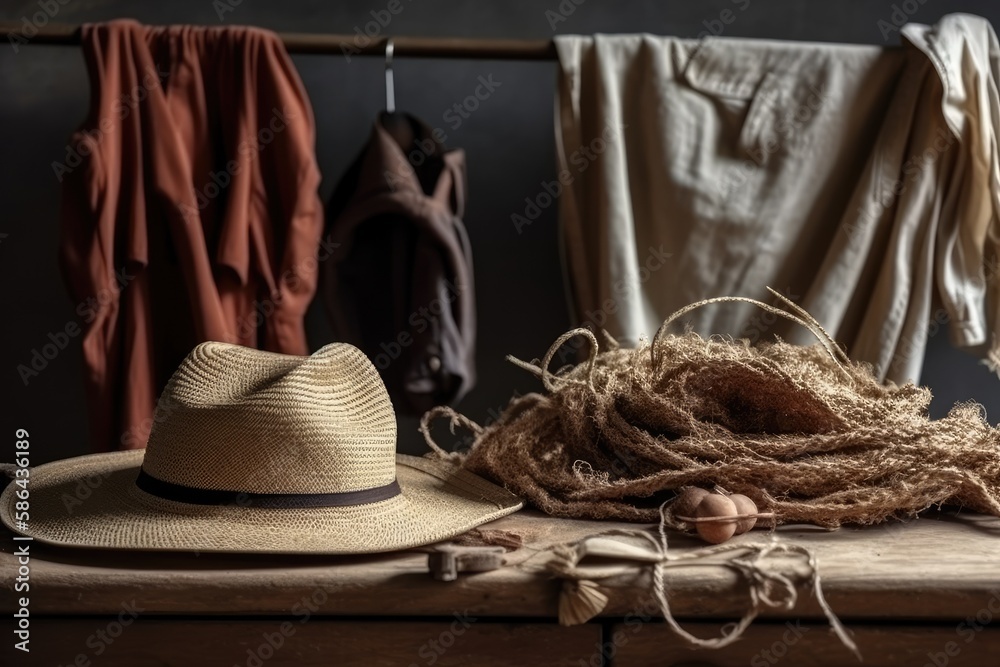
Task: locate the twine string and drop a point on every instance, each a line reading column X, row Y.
column 767, row 587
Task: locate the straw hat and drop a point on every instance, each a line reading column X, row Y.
column 254, row 451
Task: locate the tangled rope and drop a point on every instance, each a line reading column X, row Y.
column 804, row 431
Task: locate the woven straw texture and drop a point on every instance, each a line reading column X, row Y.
column 236, row 419
column 805, row 432
column 230, row 414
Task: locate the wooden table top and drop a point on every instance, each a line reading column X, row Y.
column 939, row 567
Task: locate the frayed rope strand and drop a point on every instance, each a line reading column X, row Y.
column 799, row 316
column 455, row 419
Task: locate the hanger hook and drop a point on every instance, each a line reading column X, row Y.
column 390, row 93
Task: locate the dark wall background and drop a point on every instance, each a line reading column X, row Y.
column 508, row 140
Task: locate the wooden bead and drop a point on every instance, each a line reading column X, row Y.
column 687, row 501
column 716, row 505
column 744, row 505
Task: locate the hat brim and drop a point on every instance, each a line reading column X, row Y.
column 92, row 501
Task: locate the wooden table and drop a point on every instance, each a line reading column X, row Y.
column 925, row 592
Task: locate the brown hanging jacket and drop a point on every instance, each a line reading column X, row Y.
column 400, row 285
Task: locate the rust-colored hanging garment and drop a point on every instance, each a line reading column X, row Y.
column 190, row 209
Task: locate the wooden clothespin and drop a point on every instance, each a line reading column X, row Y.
column 447, row 560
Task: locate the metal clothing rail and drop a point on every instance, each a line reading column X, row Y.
column 317, row 43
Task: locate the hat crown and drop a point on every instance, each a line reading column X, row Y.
column 236, row 419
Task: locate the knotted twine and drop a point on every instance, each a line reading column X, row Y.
column 802, row 430
column 582, row 598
